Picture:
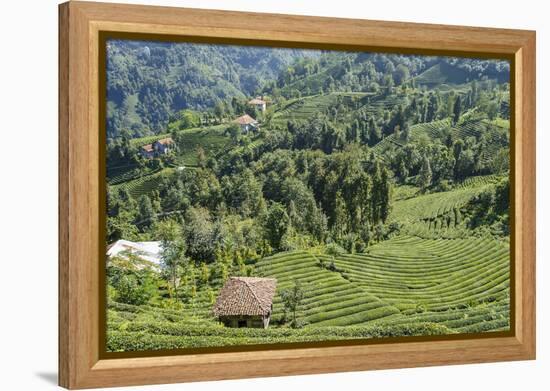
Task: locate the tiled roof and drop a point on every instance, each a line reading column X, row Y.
column 164, row 141
column 245, row 296
column 245, row 120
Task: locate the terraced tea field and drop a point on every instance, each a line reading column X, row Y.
column 303, row 109
column 431, row 129
column 378, row 103
column 442, row 75
column 494, row 133
column 330, row 300
column 144, row 184
column 403, row 286
column 430, row 206
column 405, row 280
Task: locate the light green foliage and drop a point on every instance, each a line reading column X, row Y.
column 292, row 298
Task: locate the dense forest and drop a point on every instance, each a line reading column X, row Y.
column 375, row 158
column 149, row 82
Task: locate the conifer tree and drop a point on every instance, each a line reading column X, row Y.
column 457, row 110
column 425, row 175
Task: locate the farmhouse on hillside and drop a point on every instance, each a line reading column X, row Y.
column 247, row 123
column 246, row 302
column 258, row 103
column 158, row 148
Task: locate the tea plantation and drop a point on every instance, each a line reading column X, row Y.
column 404, row 286
column 373, row 187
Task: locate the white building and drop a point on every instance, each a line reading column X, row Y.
column 258, row 103
column 148, row 252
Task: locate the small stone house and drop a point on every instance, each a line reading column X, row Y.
column 258, row 103
column 158, row 148
column 246, row 302
column 247, row 123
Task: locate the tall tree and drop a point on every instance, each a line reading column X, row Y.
column 340, row 216
column 146, row 214
column 172, row 253
column 403, row 171
column 276, row 224
column 432, row 108
column 385, row 195
column 401, row 74
column 457, row 110
column 425, row 175
column 374, row 132
column 292, row 298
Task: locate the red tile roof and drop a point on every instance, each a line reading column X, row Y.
column 244, row 120
column 245, row 296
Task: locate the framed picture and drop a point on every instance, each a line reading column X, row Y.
column 247, row 195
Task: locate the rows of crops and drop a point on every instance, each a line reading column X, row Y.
column 441, row 75
column 376, row 104
column 462, row 283
column 470, row 128
column 439, row 214
column 431, row 76
column 432, row 129
column 330, row 300
column 433, row 205
column 494, row 133
column 403, row 286
column 137, row 142
column 480, row 180
column 302, row 109
column 128, row 173
column 138, row 328
column 143, row 185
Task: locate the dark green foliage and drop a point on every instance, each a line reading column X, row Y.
column 202, row 234
column 457, row 109
column 146, row 214
column 131, row 285
column 147, row 82
column 425, row 175
column 491, row 208
column 276, row 224
column 169, row 336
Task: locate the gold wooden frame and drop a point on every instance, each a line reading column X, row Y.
column 81, row 364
